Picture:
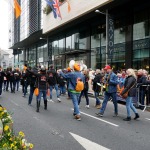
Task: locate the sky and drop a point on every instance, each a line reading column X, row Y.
column 3, row 24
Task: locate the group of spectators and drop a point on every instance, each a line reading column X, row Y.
column 104, row 82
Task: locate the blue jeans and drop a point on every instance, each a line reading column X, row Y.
column 75, row 99
column 31, row 94
column 17, row 83
column 25, row 86
column 86, row 97
column 106, row 99
column 142, row 96
column 97, row 99
column 42, row 93
column 62, row 89
column 51, row 89
column 129, row 105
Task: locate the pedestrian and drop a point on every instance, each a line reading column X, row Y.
column 73, row 77
column 85, row 91
column 2, row 74
column 33, row 79
column 25, row 80
column 110, row 81
column 53, row 82
column 97, row 87
column 62, row 83
column 17, row 75
column 42, row 85
column 130, row 86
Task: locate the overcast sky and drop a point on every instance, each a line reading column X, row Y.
column 3, row 24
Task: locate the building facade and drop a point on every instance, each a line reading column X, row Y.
column 81, row 35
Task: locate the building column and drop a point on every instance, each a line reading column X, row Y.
column 49, row 49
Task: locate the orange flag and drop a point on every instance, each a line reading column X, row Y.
column 17, row 9
column 69, row 8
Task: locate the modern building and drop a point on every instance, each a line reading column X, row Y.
column 5, row 59
column 82, row 33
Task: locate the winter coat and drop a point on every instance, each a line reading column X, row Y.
column 97, row 79
column 112, row 82
column 130, row 84
column 72, row 76
column 41, row 81
column 52, row 77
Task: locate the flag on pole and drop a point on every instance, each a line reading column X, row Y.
column 53, row 9
column 17, row 9
column 56, row 6
column 16, row 6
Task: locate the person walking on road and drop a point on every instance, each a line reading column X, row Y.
column 73, row 77
column 85, row 91
column 52, row 80
column 110, row 81
column 130, row 85
column 97, row 87
column 42, row 85
column 2, row 74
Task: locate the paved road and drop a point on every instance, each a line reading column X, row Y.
column 55, row 128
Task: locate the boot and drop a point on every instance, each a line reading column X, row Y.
column 39, row 103
column 127, row 119
column 45, row 104
column 136, row 116
column 37, row 106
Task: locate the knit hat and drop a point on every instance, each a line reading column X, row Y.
column 76, row 67
column 69, row 69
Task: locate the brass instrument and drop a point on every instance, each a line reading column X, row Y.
column 105, row 86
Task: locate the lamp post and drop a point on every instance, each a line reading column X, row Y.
column 106, row 14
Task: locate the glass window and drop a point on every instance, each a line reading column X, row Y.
column 61, row 46
column 95, row 49
column 55, row 47
column 68, row 43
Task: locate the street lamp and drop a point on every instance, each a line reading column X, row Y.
column 106, row 14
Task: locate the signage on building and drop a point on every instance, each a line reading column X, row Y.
column 110, row 37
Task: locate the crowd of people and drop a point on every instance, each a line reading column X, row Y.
column 105, row 82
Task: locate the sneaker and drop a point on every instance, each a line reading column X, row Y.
column 87, row 106
column 58, row 99
column 50, row 100
column 99, row 114
column 77, row 117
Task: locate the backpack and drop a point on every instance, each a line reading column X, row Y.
column 79, row 85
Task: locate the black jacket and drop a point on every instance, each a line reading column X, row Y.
column 86, row 84
column 61, row 80
column 130, row 84
column 2, row 74
column 52, row 77
column 96, row 80
column 41, row 81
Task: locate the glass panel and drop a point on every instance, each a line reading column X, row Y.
column 61, row 46
column 55, row 47
column 95, row 49
column 68, row 43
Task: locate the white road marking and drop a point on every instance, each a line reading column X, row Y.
column 87, row 144
column 99, row 119
column 15, row 103
column 147, row 118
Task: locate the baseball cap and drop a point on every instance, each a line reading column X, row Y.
column 107, row 67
